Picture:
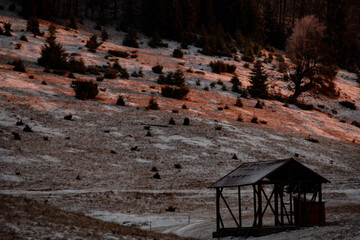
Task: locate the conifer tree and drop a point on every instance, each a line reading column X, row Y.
column 104, row 35
column 130, row 39
column 258, row 82
column 33, row 26
column 53, row 55
column 92, row 44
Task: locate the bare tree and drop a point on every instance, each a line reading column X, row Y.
column 314, row 68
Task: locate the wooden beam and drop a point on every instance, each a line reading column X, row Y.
column 228, row 207
column 268, row 201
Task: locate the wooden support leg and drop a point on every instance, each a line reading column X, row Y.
column 276, row 203
column 217, row 209
column 260, row 205
column 239, row 203
column 321, row 220
column 255, row 209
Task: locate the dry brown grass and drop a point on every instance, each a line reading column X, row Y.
column 33, row 219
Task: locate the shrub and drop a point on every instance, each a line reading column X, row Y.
column 254, row 119
column 130, row 39
column 120, row 101
column 137, row 74
column 178, row 53
column 123, row 72
column 172, row 121
column 52, row 30
column 219, row 67
column 19, row 65
column 186, row 121
column 176, row 78
column 259, row 104
column 348, row 104
column 71, row 75
column 93, row 70
column 85, row 89
column 239, row 118
column 248, row 58
column 157, row 69
column 283, row 67
column 100, row 79
column 104, row 35
column 156, row 176
column 156, row 41
column 72, row 23
column 92, row 44
column 355, row 123
column 303, row 106
column 53, row 55
column 7, row 29
column 174, row 92
column 24, row 38
column 18, row 46
column 110, row 73
column 33, row 26
column 118, row 53
column 153, row 105
column 77, row 66
column 238, row 102
column 236, row 84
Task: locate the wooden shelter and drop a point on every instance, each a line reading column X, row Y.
column 286, row 188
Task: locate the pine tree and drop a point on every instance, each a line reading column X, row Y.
column 130, row 39
column 104, row 35
column 33, row 26
column 53, row 55
column 92, row 44
column 258, row 80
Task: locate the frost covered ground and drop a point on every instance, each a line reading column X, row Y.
column 99, row 164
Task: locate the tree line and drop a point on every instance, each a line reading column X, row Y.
column 219, row 27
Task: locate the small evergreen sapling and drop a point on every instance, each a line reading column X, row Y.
column 130, row 39
column 153, row 105
column 53, row 55
column 258, row 79
column 92, row 44
column 120, row 101
column 33, row 26
column 104, row 35
column 238, row 102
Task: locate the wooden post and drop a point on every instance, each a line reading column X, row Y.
column 304, row 208
column 291, row 206
column 217, row 209
column 255, row 210
column 320, row 207
column 260, row 205
column 281, row 191
column 276, row 203
column 299, row 205
column 239, row 200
